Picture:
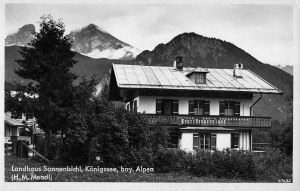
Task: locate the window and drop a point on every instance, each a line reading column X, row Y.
column 229, row 108
column 127, row 107
column 234, row 140
column 199, row 107
column 167, row 106
column 200, row 78
column 204, row 141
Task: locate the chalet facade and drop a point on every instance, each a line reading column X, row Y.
column 204, row 108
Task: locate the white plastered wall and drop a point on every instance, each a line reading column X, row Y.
column 147, row 104
column 186, row 142
column 223, row 140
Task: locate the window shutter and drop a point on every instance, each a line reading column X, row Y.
column 206, row 107
column 213, row 141
column 131, row 106
column 195, row 141
column 191, row 107
column 236, row 108
column 175, row 107
column 234, row 140
column 158, row 106
column 222, row 108
column 135, row 105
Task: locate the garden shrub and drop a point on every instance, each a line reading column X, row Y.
column 139, row 157
column 159, row 136
column 167, row 160
column 226, row 163
column 273, row 164
column 221, row 165
column 200, row 163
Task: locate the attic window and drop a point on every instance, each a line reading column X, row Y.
column 200, row 78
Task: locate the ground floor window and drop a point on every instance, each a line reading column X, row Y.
column 204, row 141
column 173, row 139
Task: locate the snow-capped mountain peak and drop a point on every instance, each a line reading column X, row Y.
column 95, row 42
column 89, row 40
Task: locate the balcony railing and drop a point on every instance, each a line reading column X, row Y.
column 221, row 121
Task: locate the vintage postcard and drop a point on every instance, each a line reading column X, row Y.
column 123, row 93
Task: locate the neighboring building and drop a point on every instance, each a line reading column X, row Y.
column 204, row 108
column 12, row 127
column 20, row 125
column 28, row 121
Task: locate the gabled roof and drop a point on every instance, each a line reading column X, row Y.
column 12, row 122
column 160, row 77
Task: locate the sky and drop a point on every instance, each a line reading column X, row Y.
column 263, row 30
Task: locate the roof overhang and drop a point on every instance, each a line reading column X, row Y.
column 13, row 122
column 200, row 88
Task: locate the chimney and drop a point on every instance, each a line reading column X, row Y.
column 179, row 62
column 238, row 71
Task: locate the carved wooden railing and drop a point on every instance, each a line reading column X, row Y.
column 222, row 121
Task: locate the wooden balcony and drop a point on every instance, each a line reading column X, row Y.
column 221, row 121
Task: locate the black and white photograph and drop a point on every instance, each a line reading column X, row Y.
column 123, row 93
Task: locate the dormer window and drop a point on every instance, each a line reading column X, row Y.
column 197, row 75
column 200, row 78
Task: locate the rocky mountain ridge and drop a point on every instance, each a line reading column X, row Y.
column 207, row 52
column 22, row 37
column 90, row 41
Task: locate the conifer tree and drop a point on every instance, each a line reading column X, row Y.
column 47, row 63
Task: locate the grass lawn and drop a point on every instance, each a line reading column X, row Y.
column 85, row 176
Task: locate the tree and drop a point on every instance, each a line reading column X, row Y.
column 79, row 135
column 47, row 63
column 287, row 133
